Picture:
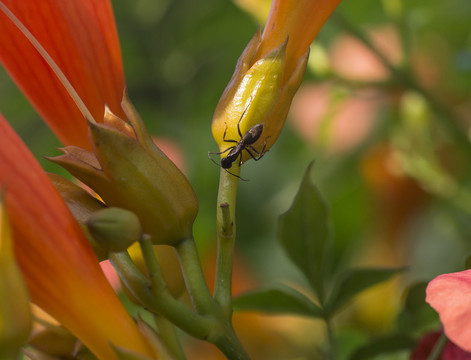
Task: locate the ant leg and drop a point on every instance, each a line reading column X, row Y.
column 241, row 117
column 261, row 153
column 222, row 152
column 224, row 136
column 238, row 124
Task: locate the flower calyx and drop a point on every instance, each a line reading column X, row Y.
column 127, row 170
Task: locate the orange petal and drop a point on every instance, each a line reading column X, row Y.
column 300, row 20
column 81, row 37
column 60, row 269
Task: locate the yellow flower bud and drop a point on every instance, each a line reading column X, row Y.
column 15, row 311
column 267, row 76
column 258, row 93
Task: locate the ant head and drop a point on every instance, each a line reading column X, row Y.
column 226, row 163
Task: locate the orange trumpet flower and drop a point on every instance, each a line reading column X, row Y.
column 269, row 72
column 82, row 39
column 296, row 20
column 62, row 273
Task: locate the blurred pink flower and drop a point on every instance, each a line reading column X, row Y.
column 351, row 116
column 352, row 60
column 350, row 119
column 450, row 296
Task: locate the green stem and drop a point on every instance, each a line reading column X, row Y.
column 230, row 345
column 438, row 348
column 225, row 228
column 169, row 336
column 194, row 278
column 330, row 340
column 152, row 265
column 154, row 296
column 161, row 301
column 166, row 329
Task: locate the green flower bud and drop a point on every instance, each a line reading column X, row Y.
column 129, row 171
column 147, row 183
column 82, row 205
column 114, row 229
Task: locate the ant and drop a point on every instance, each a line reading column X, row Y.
column 245, row 143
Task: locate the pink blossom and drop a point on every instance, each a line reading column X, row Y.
column 450, row 296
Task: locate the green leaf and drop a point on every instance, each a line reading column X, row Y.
column 305, row 236
column 467, row 263
column 353, row 281
column 417, row 316
column 278, row 300
column 384, row 345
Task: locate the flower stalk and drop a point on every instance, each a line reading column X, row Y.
column 226, row 235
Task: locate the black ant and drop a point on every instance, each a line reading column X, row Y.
column 245, row 143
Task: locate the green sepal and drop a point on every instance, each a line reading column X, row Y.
column 79, row 201
column 165, row 203
column 84, row 165
column 82, row 205
column 278, row 300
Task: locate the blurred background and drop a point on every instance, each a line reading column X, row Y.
column 384, row 112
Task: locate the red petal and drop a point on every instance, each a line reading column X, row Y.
column 81, row 37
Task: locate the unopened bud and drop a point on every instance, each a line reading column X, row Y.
column 82, row 205
column 259, row 93
column 146, row 182
column 127, row 170
column 114, row 229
